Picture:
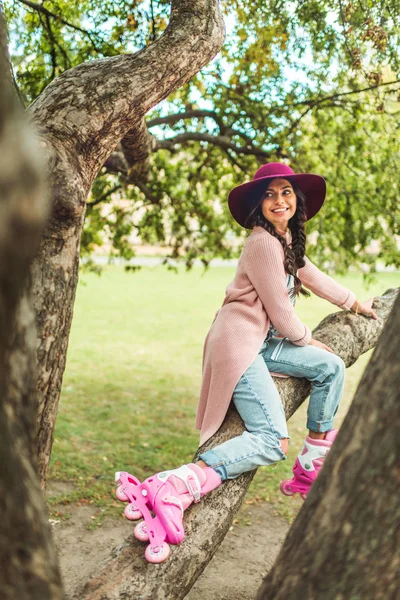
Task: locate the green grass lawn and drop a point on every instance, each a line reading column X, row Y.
column 133, row 376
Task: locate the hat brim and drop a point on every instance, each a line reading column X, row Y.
column 243, row 198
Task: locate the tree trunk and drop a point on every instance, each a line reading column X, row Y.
column 345, row 541
column 126, row 573
column 81, row 117
column 27, row 556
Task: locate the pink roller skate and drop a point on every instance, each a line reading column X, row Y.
column 167, row 495
column 308, row 464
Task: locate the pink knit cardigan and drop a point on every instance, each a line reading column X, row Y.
column 257, row 296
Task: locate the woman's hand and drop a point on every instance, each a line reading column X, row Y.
column 364, row 308
column 318, row 344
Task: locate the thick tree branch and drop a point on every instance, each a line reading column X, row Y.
column 187, row 114
column 137, row 145
column 352, row 533
column 94, row 105
column 225, row 130
column 217, row 140
column 81, row 117
column 28, row 562
column 127, row 574
column 116, row 162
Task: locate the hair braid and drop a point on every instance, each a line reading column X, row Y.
column 294, row 255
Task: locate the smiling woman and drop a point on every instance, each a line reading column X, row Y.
column 281, row 207
column 254, row 335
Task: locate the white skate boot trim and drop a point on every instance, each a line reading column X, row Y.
column 189, row 478
column 312, row 453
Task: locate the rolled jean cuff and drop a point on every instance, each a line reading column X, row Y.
column 212, row 460
column 320, row 426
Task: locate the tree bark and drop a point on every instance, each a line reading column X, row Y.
column 137, row 145
column 27, row 556
column 81, row 117
column 126, row 573
column 345, row 541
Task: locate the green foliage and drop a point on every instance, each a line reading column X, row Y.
column 359, row 154
column 285, row 83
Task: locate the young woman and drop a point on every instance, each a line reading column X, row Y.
column 254, row 335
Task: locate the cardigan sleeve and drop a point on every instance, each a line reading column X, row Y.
column 265, row 269
column 324, row 286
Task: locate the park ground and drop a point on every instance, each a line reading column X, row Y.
column 128, row 403
column 234, row 573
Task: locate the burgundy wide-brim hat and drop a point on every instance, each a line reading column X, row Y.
column 243, row 198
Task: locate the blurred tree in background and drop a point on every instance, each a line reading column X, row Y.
column 315, row 83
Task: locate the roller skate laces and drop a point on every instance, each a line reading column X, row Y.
column 161, row 500
column 307, row 465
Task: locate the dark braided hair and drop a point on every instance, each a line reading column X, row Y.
column 293, row 256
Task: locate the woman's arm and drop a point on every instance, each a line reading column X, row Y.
column 364, row 308
column 325, row 287
column 264, row 266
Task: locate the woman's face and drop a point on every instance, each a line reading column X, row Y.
column 279, row 203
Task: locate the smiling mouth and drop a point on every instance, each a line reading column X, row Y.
column 280, row 210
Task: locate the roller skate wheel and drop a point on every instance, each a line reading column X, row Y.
column 132, row 513
column 303, row 495
column 120, row 494
column 157, row 554
column 286, row 489
column 140, row 532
